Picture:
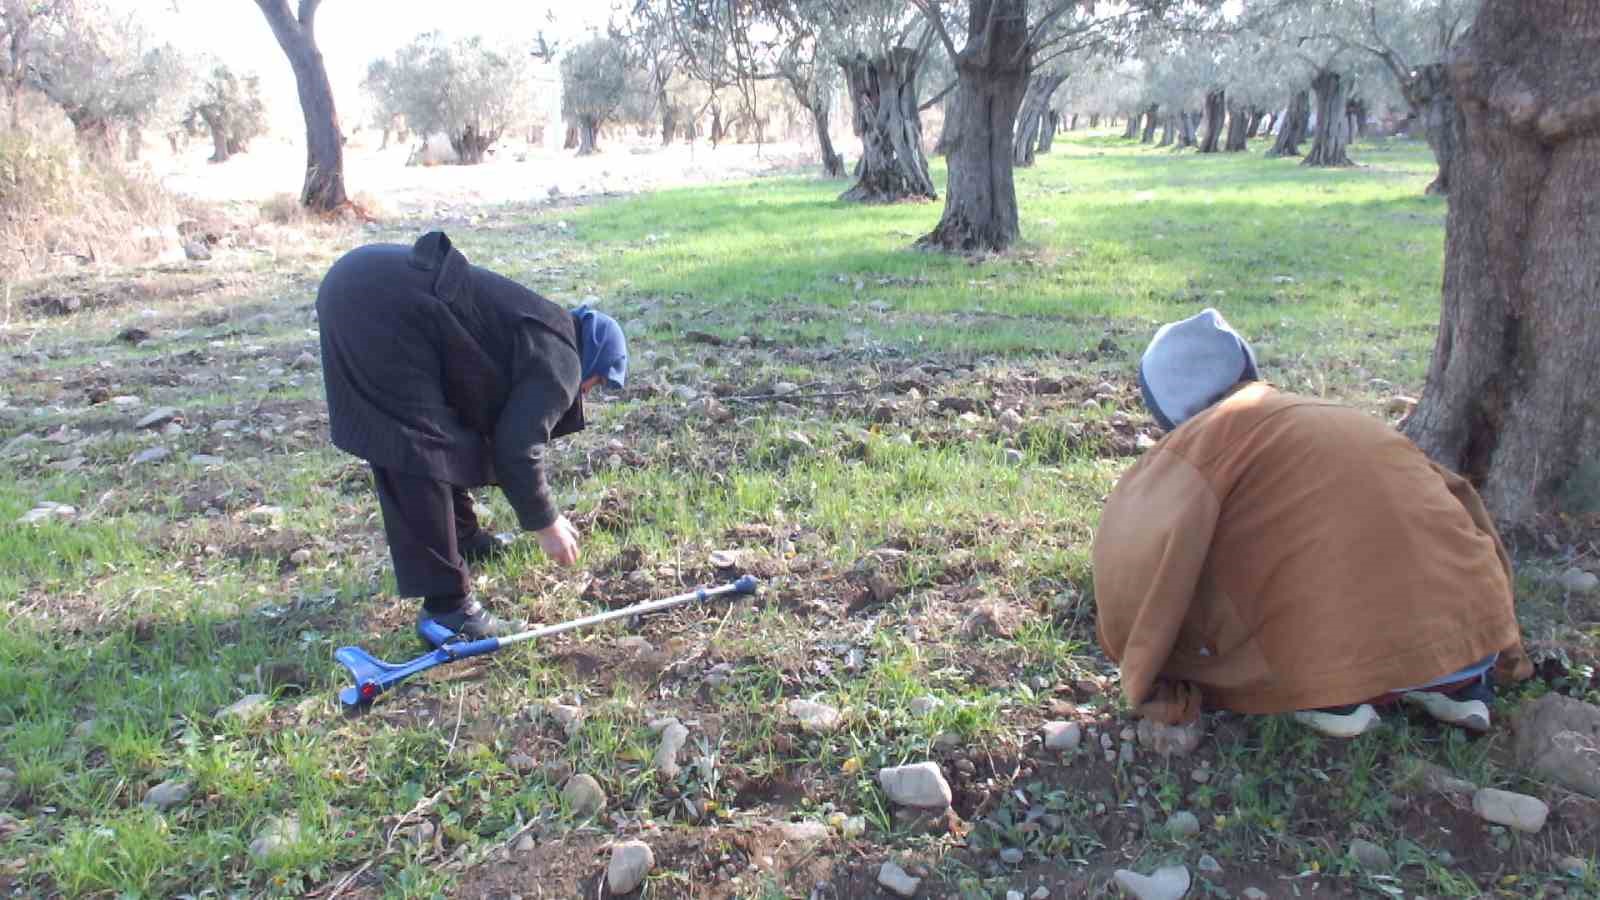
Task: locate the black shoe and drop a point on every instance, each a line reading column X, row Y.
column 470, row 622
column 486, row 547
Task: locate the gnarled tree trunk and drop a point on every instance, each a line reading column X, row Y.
column 218, row 126
column 1129, row 130
column 1238, row 129
column 1428, row 91
column 980, row 208
column 669, row 120
column 1186, row 122
column 472, row 145
column 1253, row 120
column 588, row 136
column 1169, row 129
column 1510, row 397
column 324, row 182
column 893, row 167
column 1333, row 134
column 1031, row 117
column 950, row 131
column 1216, row 105
column 1149, row 123
column 832, row 162
column 1293, row 129
column 1048, row 129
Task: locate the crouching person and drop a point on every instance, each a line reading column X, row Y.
column 446, row 376
column 1277, row 553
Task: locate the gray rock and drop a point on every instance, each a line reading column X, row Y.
column 924, row 705
column 630, row 862
column 805, row 832
column 1010, row 420
column 1171, row 740
column 1041, row 893
column 522, row 762
column 275, row 835
column 525, row 844
column 570, row 718
column 1254, row 893
column 1011, row 856
column 167, row 794
column 245, row 708
column 1169, row 883
column 158, row 417
column 685, row 393
column 1510, row 809
column 264, row 514
column 196, row 251
column 421, row 834
column 150, row 455
column 1125, row 756
column 1062, row 735
column 305, row 361
column 1370, row 856
column 634, row 644
column 1209, row 865
column 895, row 880
column 1013, row 456
column 1577, row 581
column 1183, row 824
column 816, row 718
column 920, row 785
column 853, row 827
column 205, row 459
column 583, row 796
column 1436, row 778
column 785, row 388
column 673, row 737
column 46, row 512
column 1559, row 738
column 1573, row 866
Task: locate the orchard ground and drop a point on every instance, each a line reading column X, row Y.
column 910, row 451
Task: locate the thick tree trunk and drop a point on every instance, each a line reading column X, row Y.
column 1030, row 120
column 950, row 131
column 1510, row 396
column 1094, row 121
column 1357, row 108
column 1333, row 136
column 1216, row 107
column 716, row 127
column 472, row 145
column 1130, row 130
column 1072, row 122
column 1169, row 129
column 588, row 136
column 893, row 167
column 1428, row 91
column 1239, row 121
column 219, row 137
column 1293, row 129
column 1253, row 122
column 135, row 143
column 570, row 142
column 324, row 182
column 1048, row 129
column 1186, row 123
column 980, row 210
column 669, row 120
column 1149, row 124
column 1269, row 122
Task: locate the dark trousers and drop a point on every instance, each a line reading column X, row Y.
column 428, row 524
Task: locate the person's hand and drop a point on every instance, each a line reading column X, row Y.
column 559, row 541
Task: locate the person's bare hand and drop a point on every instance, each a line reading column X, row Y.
column 559, row 541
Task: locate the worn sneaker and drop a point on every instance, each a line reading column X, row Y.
column 486, row 547
column 1473, row 715
column 470, row 622
column 1358, row 721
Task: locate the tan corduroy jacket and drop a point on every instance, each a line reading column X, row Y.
column 1277, row 553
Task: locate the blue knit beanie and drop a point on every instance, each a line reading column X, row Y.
column 1190, row 364
column 604, row 348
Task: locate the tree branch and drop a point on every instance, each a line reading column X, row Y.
column 935, row 15
column 940, row 96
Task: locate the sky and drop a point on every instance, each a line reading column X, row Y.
column 350, row 33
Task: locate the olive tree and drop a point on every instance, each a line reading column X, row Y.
column 594, row 85
column 469, row 90
column 229, row 108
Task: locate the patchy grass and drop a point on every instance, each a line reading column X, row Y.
column 910, row 450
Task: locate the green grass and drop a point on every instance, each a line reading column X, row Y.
column 124, row 630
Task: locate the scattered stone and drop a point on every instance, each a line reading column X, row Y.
column 1510, row 809
column 70, row 464
column 1436, row 778
column 785, row 388
column 853, row 827
column 167, row 794
column 125, row 400
column 300, row 557
column 1400, row 405
column 1577, row 581
column 1200, row 776
column 921, row 785
column 1011, row 856
column 583, row 796
column 1283, row 279
column 275, row 835
column 1183, row 825
column 1013, row 456
column 196, row 251
column 1041, row 893
column 1144, row 441
column 1370, row 856
column 685, row 393
column 150, row 455
column 634, row 644
column 1559, row 738
column 673, row 737
column 805, row 832
column 1170, row 740
column 281, row 675
column 1063, row 735
column 798, row 443
column 881, row 588
column 1014, row 895
column 46, row 511
column 895, row 880
column 1209, row 865
column 816, row 718
column 1254, row 893
column 630, row 862
column 1125, row 755
column 158, row 417
column 205, row 459
column 982, row 622
column 522, row 762
column 1011, row 420
column 525, row 844
column 1169, row 883
column 925, row 705
column 570, row 718
column 245, row 708
column 305, row 361
column 1573, row 866
column 421, row 834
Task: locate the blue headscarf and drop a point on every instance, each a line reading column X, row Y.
column 602, row 345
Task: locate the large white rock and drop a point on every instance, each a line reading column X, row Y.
column 1062, row 735
column 630, row 862
column 673, row 736
column 817, row 718
column 583, row 796
column 895, row 880
column 921, row 785
column 1510, row 809
column 1170, row 883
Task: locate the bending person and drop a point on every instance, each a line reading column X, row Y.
column 1276, row 553
column 446, row 376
